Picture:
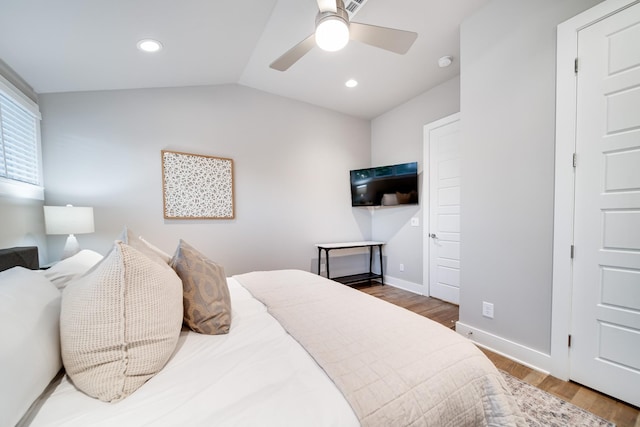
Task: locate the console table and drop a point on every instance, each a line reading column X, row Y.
column 354, row 278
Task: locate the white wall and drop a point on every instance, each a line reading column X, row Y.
column 397, row 137
column 508, row 124
column 22, row 224
column 291, row 162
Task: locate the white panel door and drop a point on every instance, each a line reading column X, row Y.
column 605, row 350
column 442, row 142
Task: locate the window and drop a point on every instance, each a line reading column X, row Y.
column 20, row 165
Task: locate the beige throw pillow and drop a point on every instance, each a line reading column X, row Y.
column 120, row 323
column 207, row 304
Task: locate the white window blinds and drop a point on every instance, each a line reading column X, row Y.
column 19, row 159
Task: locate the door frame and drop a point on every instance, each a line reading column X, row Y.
column 566, row 111
column 426, row 206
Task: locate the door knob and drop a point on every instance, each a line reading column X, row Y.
column 433, row 236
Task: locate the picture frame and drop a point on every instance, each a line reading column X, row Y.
column 196, row 186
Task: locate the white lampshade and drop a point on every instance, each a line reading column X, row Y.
column 68, row 220
column 332, row 33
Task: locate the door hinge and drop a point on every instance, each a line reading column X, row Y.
column 575, row 66
column 572, row 251
column 569, row 341
column 574, row 160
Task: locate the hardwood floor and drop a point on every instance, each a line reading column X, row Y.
column 622, row 414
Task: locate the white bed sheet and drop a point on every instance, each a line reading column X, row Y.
column 257, row 375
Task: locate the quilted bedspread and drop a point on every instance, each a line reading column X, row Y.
column 394, row 367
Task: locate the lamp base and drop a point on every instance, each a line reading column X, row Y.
column 71, row 247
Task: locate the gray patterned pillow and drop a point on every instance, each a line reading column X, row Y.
column 207, row 304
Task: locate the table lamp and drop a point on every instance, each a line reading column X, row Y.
column 69, row 220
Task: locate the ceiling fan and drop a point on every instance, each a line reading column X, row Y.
column 333, row 31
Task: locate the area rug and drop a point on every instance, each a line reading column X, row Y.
column 542, row 409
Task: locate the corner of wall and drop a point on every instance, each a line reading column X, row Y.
column 397, row 136
column 23, row 224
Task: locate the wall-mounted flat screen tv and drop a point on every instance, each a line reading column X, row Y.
column 385, row 185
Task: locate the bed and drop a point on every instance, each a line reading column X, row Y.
column 299, row 350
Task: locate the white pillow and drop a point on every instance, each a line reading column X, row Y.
column 30, row 351
column 120, row 323
column 162, row 254
column 137, row 242
column 71, row 268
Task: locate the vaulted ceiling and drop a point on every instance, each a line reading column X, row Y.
column 80, row 45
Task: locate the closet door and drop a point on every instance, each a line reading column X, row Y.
column 605, row 345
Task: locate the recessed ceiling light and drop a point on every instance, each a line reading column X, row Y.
column 149, row 45
column 351, row 83
column 445, row 61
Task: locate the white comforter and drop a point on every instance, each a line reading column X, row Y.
column 257, row 375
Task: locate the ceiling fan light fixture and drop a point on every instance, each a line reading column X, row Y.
column 332, row 33
column 334, row 30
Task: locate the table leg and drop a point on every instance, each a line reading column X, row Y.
column 381, row 271
column 319, row 256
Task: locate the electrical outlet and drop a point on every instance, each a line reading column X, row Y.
column 415, row 222
column 401, row 267
column 487, row 309
column 323, row 268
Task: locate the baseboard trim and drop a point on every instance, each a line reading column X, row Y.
column 526, row 356
column 416, row 288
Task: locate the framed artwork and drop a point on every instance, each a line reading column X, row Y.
column 196, row 186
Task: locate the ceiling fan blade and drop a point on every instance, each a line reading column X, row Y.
column 328, row 6
column 398, row 41
column 291, row 56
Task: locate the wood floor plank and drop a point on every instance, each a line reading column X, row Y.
column 586, row 398
column 563, row 389
column 620, row 413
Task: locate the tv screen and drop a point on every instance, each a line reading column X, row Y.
column 385, row 185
